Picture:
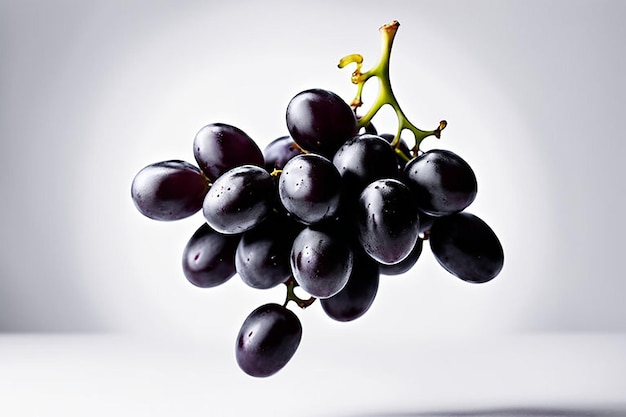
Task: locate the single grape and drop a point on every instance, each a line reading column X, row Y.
column 321, row 262
column 387, row 221
column 209, row 257
column 239, row 199
column 426, row 221
column 169, row 190
column 442, row 181
column 320, row 121
column 466, row 247
column 363, row 159
column 267, row 340
column 279, row 151
column 359, row 292
column 407, row 263
column 262, row 257
column 219, row 147
column 309, row 188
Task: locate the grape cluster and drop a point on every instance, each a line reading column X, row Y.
column 330, row 207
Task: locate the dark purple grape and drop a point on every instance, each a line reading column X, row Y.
column 262, row 257
column 267, row 340
column 358, row 295
column 321, row 262
column 219, row 147
column 363, row 159
column 442, row 182
column 278, row 152
column 169, row 190
column 209, row 257
column 320, row 121
column 239, row 199
column 309, row 188
column 426, row 221
column 407, row 263
column 387, row 221
column 466, row 247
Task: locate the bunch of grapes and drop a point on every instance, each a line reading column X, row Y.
column 329, row 208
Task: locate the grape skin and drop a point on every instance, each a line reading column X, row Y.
column 278, row 152
column 387, row 221
column 407, row 263
column 363, row 159
column 321, row 262
column 426, row 221
column 267, row 340
column 359, row 293
column 467, row 247
column 262, row 257
column 219, row 147
column 442, row 181
column 320, row 121
column 309, row 188
column 169, row 190
column 239, row 199
column 209, row 257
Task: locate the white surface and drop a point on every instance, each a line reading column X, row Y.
column 104, row 375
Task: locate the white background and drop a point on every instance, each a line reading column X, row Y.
column 91, row 92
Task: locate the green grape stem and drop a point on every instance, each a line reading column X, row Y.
column 291, row 295
column 385, row 92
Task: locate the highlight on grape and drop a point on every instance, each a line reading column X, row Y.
column 329, row 208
